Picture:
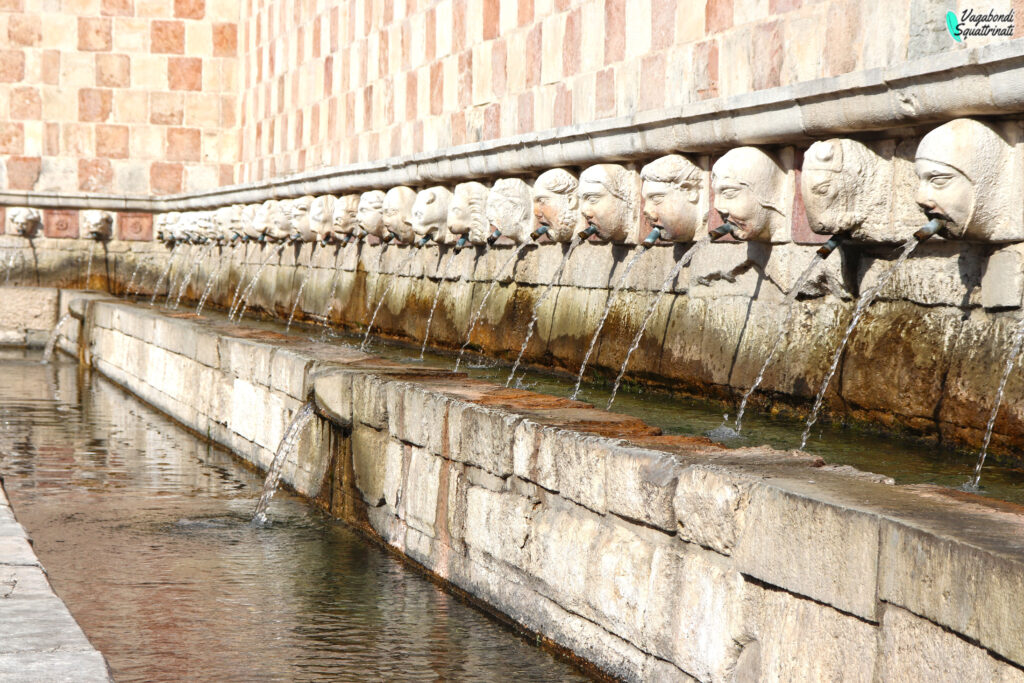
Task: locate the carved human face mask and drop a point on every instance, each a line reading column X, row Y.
column 747, row 184
column 672, row 195
column 609, row 201
column 369, row 214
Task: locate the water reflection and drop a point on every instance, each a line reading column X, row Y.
column 144, row 532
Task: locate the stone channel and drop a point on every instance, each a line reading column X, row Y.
column 652, row 557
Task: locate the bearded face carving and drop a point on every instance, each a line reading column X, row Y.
column 370, row 214
column 509, row 209
column 467, row 212
column 966, row 179
column 750, row 190
column 675, row 197
column 97, row 224
column 610, row 201
column 228, row 222
column 556, row 204
column 430, row 213
column 24, row 221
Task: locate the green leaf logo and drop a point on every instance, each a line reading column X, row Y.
column 954, row 26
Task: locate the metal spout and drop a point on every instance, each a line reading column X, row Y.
column 721, row 231
column 542, row 230
column 494, row 236
column 930, row 229
column 830, row 246
column 423, row 240
column 585, row 234
column 461, row 243
column 653, row 236
column 388, row 237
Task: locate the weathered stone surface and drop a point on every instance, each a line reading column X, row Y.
column 369, row 462
column 1002, row 285
column 937, row 273
column 27, row 308
column 73, row 667
column 810, row 546
column 710, row 504
column 913, row 649
column 970, row 590
column 498, row 524
column 414, row 415
column 830, row 646
column 422, row 491
column 482, row 437
column 641, row 485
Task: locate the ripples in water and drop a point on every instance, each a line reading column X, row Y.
column 145, row 533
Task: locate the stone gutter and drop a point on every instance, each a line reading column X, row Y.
column 969, row 82
column 652, row 557
column 39, row 639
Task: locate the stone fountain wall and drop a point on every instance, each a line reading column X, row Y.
column 651, row 557
column 927, row 356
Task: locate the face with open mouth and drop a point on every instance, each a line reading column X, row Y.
column 944, row 193
column 748, row 188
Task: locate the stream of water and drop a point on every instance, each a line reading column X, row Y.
column 144, row 532
column 250, row 289
column 166, row 271
column 395, row 275
column 302, row 288
column 556, row 277
column 862, row 303
column 433, row 306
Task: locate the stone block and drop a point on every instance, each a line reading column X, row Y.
column 694, row 615
column 394, row 473
column 1002, row 284
column 247, row 360
column 788, row 638
column 728, row 269
column 529, row 461
column 415, row 415
column 370, row 401
column 421, row 491
column 28, row 308
column 498, row 524
column 83, row 666
column 914, row 649
column 482, row 437
column 288, row 371
column 936, row 274
column 807, row 545
column 44, row 623
column 560, row 552
column 967, row 589
column 710, row 505
column 589, row 266
column 369, row 462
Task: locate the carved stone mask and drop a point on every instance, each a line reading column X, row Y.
column 610, row 201
column 397, row 212
column 467, row 212
column 24, row 221
column 278, row 220
column 97, row 224
column 844, row 186
column 966, row 178
column 298, row 219
column 370, row 214
column 430, row 213
column 345, row 218
column 556, row 204
column 674, row 197
column 509, row 209
column 748, row 186
column 228, row 221
column 321, row 215
column 254, row 221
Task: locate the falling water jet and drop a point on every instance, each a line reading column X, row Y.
column 433, row 306
column 717, row 233
column 612, row 298
column 276, row 469
column 302, row 288
column 170, row 280
column 478, row 314
column 202, row 256
column 167, row 269
column 51, row 343
column 135, row 273
column 10, row 267
column 211, row 281
column 251, row 289
column 1011, row 360
column 387, row 290
column 555, row 279
column 930, row 229
column 325, row 316
column 782, row 333
column 241, row 280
